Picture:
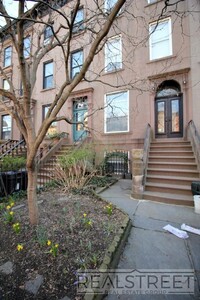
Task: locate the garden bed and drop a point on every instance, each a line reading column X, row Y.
column 78, row 229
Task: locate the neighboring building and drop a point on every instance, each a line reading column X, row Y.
column 139, row 80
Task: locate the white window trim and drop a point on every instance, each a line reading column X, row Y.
column 170, row 38
column 105, row 53
column 151, row 1
column 105, row 105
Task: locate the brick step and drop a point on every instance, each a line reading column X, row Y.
column 171, row 153
column 172, row 159
column 169, row 172
column 168, row 188
column 172, row 165
column 171, row 180
column 169, row 198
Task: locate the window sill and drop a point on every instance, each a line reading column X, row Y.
column 8, row 68
column 150, row 4
column 48, row 89
column 117, row 133
column 161, row 59
column 113, row 71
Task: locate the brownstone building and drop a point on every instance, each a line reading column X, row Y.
column 148, row 71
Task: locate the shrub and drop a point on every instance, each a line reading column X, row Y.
column 76, row 168
column 10, row 163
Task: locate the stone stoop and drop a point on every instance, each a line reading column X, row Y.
column 170, row 172
column 46, row 170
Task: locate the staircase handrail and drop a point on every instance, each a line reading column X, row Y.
column 194, row 137
column 47, row 151
column 7, row 144
column 13, row 148
column 147, row 141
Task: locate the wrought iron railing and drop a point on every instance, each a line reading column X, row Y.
column 147, row 141
column 13, row 148
column 194, row 137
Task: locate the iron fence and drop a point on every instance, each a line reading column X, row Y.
column 117, row 162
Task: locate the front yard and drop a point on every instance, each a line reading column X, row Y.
column 74, row 232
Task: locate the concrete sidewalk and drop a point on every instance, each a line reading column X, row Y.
column 149, row 245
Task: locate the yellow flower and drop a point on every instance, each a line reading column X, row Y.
column 8, row 207
column 84, row 215
column 12, row 204
column 51, row 250
column 56, row 245
column 11, row 213
column 89, row 222
column 20, row 247
column 48, row 242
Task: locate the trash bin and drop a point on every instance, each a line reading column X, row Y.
column 195, row 186
column 14, row 181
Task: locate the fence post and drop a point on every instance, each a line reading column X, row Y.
column 137, row 173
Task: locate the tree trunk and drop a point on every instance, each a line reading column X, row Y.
column 32, row 196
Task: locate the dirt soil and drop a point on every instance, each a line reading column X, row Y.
column 81, row 226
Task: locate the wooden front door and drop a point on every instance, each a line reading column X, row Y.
column 169, row 117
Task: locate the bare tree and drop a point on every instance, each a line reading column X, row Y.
column 44, row 14
column 61, row 19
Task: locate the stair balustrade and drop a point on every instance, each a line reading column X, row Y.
column 194, row 138
column 12, row 148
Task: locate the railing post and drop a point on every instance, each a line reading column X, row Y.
column 137, row 173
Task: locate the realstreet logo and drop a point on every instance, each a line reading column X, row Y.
column 136, row 282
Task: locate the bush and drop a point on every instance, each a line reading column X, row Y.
column 10, row 163
column 76, row 168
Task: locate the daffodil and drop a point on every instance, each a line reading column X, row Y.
column 20, row 247
column 8, row 207
column 49, row 243
column 84, row 215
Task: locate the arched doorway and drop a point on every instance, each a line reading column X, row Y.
column 168, row 110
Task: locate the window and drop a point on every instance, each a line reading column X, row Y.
column 45, row 109
column 160, row 39
column 6, row 86
column 6, row 127
column 48, row 75
column 27, row 46
column 78, row 22
column 151, row 1
column 117, row 112
column 109, row 4
column 7, row 56
column 76, row 62
column 113, row 54
column 48, row 33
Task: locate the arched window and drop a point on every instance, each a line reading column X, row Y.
column 168, row 88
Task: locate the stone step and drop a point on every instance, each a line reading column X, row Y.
column 172, row 165
column 172, row 159
column 170, row 148
column 168, row 188
column 169, row 198
column 169, row 172
column 171, row 180
column 171, row 153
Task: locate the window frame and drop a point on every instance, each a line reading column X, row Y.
column 7, row 59
column 108, row 57
column 78, row 26
column 78, row 66
column 27, row 49
column 4, row 80
column 2, row 116
column 45, row 77
column 48, row 34
column 168, row 38
column 106, row 109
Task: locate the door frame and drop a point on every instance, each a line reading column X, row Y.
column 168, row 117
